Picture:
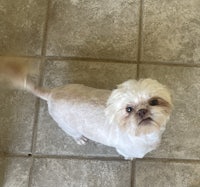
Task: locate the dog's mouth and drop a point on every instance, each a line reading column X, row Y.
column 145, row 121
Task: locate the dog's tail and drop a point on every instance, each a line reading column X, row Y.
column 16, row 71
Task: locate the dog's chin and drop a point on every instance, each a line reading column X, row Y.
column 147, row 126
column 145, row 121
column 150, row 125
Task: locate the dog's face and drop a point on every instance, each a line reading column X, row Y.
column 141, row 107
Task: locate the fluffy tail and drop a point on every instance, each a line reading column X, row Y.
column 15, row 71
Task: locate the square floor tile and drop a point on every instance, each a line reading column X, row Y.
column 50, row 138
column 90, row 173
column 16, row 121
column 95, row 74
column 17, row 113
column 14, row 172
column 181, row 137
column 166, row 174
column 171, row 31
column 22, row 24
column 105, row 29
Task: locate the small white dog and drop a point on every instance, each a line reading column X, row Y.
column 130, row 118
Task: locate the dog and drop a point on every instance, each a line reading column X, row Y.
column 130, row 118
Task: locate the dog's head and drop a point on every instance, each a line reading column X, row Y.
column 141, row 107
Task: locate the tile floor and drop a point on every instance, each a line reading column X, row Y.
column 100, row 43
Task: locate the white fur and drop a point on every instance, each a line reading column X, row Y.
column 89, row 113
column 101, row 115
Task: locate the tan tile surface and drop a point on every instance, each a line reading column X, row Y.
column 22, row 24
column 181, row 138
column 54, row 172
column 171, row 31
column 97, row 29
column 167, row 174
column 17, row 115
column 14, row 172
column 95, row 74
column 16, row 121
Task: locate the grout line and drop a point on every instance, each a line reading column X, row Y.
column 16, row 155
column 31, row 173
column 34, row 131
column 133, row 178
column 139, row 38
column 176, row 64
column 37, row 109
column 80, row 157
column 149, row 159
column 158, row 63
column 145, row 159
column 35, row 124
column 43, row 156
column 44, row 44
column 170, row 64
column 123, row 62
column 90, row 59
column 22, row 56
column 37, row 103
column 2, row 154
column 84, row 59
column 43, row 59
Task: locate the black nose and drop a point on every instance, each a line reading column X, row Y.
column 142, row 112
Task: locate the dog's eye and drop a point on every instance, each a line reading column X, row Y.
column 154, row 102
column 129, row 109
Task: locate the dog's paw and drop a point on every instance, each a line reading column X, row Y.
column 129, row 158
column 82, row 140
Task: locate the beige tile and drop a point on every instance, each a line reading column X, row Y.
column 90, row 173
column 171, row 31
column 166, row 174
column 95, row 74
column 16, row 121
column 17, row 113
column 22, row 24
column 181, row 137
column 50, row 138
column 14, row 172
column 105, row 29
